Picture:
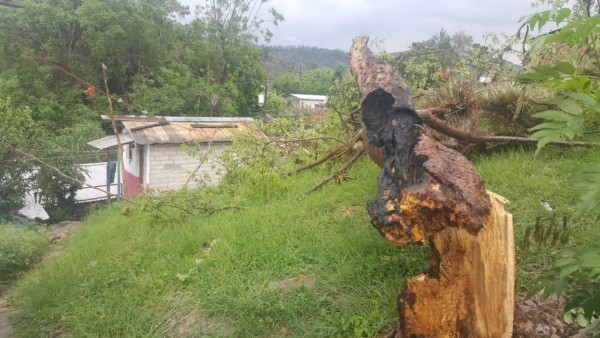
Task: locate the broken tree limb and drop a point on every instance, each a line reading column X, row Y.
column 428, row 117
column 428, row 192
column 339, row 172
column 333, row 152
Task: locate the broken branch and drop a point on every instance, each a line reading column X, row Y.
column 339, row 172
column 427, row 117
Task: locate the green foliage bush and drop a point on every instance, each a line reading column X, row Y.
column 577, row 97
column 253, row 159
column 20, row 247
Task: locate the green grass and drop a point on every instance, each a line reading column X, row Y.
column 20, row 248
column 528, row 182
column 125, row 276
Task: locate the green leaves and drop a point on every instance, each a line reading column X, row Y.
column 566, row 68
column 554, row 115
column 566, row 122
column 560, row 77
column 576, row 31
column 568, row 106
column 530, row 78
column 541, row 18
column 16, row 130
column 550, row 75
column 578, row 273
column 562, row 14
column 587, row 180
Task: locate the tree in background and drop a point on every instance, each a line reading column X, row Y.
column 288, row 84
column 318, row 80
column 231, row 28
column 313, row 81
column 142, row 45
column 423, row 63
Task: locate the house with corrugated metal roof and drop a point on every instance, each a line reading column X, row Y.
column 306, row 100
column 154, row 158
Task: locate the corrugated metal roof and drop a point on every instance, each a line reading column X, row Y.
column 176, row 118
column 110, row 141
column 153, row 132
column 95, row 175
column 310, row 97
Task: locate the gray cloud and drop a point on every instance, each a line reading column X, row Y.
column 333, row 23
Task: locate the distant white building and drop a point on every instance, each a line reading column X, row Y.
column 306, row 100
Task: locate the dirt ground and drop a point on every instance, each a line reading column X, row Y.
column 537, row 317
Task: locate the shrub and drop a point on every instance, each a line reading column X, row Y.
column 19, row 248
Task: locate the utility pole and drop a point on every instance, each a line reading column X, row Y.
column 300, row 72
column 115, row 130
column 266, row 86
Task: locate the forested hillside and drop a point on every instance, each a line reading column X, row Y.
column 279, row 60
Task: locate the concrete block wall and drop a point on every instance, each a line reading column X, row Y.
column 171, row 166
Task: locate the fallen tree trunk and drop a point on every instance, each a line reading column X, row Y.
column 428, row 117
column 428, row 192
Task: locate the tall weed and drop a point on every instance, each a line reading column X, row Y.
column 20, row 247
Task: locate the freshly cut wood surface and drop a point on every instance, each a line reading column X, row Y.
column 469, row 292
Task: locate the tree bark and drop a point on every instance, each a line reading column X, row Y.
column 428, row 192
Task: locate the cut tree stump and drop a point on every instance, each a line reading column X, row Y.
column 428, row 192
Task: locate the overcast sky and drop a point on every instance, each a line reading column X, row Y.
column 333, row 23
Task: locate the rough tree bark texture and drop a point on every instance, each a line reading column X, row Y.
column 428, row 192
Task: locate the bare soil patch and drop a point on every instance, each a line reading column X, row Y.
column 537, row 317
column 185, row 319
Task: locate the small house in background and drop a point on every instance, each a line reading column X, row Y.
column 306, row 100
column 153, row 155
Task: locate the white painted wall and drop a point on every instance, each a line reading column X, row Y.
column 131, row 158
column 171, row 166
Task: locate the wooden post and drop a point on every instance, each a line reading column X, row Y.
column 428, row 192
column 116, row 131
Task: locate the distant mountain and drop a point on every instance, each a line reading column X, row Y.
column 279, row 60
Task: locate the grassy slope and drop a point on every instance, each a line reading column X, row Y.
column 124, row 276
column 121, row 276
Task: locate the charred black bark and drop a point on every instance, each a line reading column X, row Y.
column 424, row 186
column 396, row 130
